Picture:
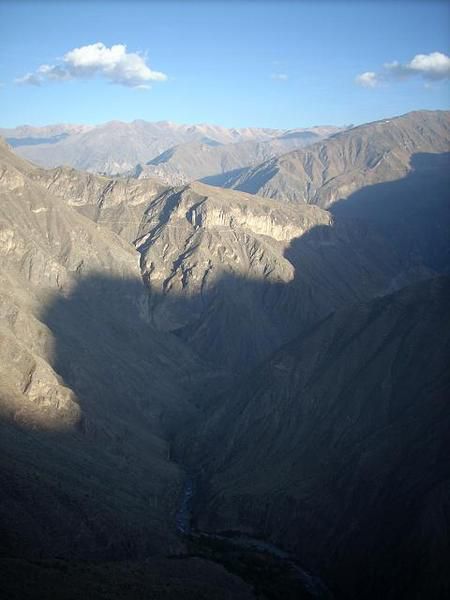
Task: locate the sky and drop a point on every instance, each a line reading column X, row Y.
column 237, row 64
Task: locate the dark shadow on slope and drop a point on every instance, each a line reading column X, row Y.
column 109, row 488
column 107, row 350
column 383, row 237
column 413, row 212
column 349, row 468
column 106, row 488
column 221, row 179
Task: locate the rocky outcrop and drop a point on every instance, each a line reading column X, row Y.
column 117, row 204
column 236, row 275
column 207, row 255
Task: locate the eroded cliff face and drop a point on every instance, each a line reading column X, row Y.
column 228, row 231
column 210, row 258
column 236, row 275
column 119, row 358
column 117, row 204
column 89, row 390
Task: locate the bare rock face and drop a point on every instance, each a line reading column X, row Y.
column 236, row 275
column 117, row 204
column 207, row 255
column 89, row 390
column 198, row 211
column 276, row 347
column 336, row 168
column 337, row 447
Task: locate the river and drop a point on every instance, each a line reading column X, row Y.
column 313, row 584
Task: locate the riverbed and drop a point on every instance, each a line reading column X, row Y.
column 312, row 584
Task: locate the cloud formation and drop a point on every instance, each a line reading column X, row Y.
column 368, row 79
column 115, row 64
column 28, row 79
column 434, row 66
column 431, row 67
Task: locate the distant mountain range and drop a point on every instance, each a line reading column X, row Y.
column 195, row 160
column 116, row 147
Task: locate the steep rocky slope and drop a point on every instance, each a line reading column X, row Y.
column 264, row 348
column 196, row 160
column 117, row 204
column 117, row 147
column 337, row 448
column 89, row 390
column 210, row 258
column 338, row 167
column 236, row 275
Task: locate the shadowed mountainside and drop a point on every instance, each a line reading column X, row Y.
column 407, row 209
column 89, row 395
column 224, row 266
column 348, row 161
column 105, row 379
column 337, row 448
column 67, row 407
column 175, row 578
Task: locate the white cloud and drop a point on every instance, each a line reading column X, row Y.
column 28, row 79
column 279, row 76
column 368, row 79
column 435, row 65
column 53, row 72
column 115, row 64
column 431, row 67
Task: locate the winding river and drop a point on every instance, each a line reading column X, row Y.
column 313, row 584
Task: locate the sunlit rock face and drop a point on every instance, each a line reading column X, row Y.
column 350, row 160
column 117, row 204
column 33, row 396
column 88, row 390
column 211, row 258
column 236, row 275
column 227, row 231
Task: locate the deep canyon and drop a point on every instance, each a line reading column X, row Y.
column 237, row 390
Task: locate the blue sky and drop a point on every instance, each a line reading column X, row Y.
column 272, row 64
